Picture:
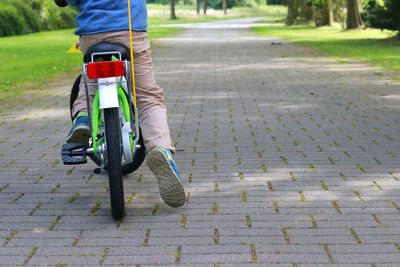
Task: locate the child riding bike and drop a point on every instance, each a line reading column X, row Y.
column 106, row 21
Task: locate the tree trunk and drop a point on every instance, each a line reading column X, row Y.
column 224, row 6
column 198, row 7
column 353, row 15
column 292, row 12
column 172, row 9
column 205, row 7
column 327, row 13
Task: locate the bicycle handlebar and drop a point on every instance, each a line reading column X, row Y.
column 61, row 3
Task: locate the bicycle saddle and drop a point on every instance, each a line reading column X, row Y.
column 106, row 47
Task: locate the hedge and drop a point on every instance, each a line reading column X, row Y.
column 27, row 16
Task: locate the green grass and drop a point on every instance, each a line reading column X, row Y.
column 379, row 48
column 156, row 32
column 29, row 60
column 188, row 12
column 32, row 58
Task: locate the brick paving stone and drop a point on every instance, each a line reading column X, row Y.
column 211, row 258
column 212, row 249
column 363, row 248
column 12, row 260
column 289, row 258
column 69, row 251
column 393, row 258
column 15, row 251
column 339, row 265
column 142, row 250
column 289, row 158
column 325, row 239
column 257, row 264
column 140, row 259
column 105, row 242
column 42, row 242
column 60, row 260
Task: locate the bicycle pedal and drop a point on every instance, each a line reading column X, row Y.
column 74, row 154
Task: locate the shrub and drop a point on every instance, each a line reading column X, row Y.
column 27, row 16
column 386, row 16
column 11, row 22
column 30, row 16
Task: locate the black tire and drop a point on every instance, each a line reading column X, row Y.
column 140, row 153
column 112, row 129
column 74, row 94
column 127, row 168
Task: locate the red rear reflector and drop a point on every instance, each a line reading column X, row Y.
column 105, row 69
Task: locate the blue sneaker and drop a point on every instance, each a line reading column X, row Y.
column 170, row 183
column 80, row 130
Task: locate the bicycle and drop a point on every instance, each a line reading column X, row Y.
column 116, row 144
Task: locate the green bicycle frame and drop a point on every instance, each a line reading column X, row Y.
column 97, row 118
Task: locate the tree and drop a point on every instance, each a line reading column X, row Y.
column 323, row 12
column 224, row 6
column 353, row 15
column 172, row 9
column 307, row 12
column 293, row 12
column 300, row 11
column 205, row 7
column 384, row 17
column 327, row 13
column 198, row 7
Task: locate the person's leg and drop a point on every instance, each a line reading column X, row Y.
column 80, row 104
column 80, row 131
column 153, row 122
column 150, row 97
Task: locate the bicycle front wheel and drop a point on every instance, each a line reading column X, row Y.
column 112, row 130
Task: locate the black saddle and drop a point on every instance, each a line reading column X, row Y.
column 106, row 47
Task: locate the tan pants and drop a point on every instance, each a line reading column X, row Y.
column 150, row 97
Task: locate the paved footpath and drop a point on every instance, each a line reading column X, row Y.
column 290, row 159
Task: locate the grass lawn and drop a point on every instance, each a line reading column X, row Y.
column 187, row 13
column 29, row 60
column 374, row 46
column 33, row 58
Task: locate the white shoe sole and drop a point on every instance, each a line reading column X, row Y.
column 171, row 189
